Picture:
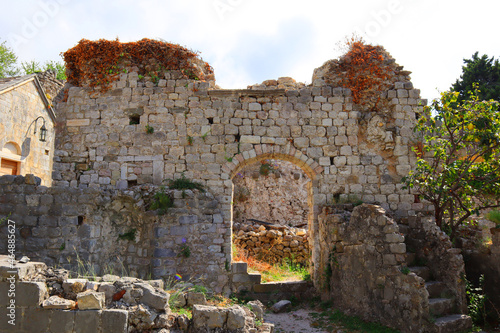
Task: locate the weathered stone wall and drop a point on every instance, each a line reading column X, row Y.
column 273, row 245
column 212, row 134
column 55, row 224
column 271, row 191
column 19, row 108
column 51, row 85
column 360, row 265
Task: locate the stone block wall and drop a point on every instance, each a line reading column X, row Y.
column 210, row 135
column 273, row 245
column 360, row 269
column 19, row 108
column 51, row 85
column 114, row 228
column 272, row 191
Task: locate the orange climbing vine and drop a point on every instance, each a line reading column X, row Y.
column 99, row 63
column 366, row 72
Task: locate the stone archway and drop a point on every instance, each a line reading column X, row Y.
column 289, row 154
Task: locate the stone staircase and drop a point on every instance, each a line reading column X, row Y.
column 441, row 301
column 251, row 286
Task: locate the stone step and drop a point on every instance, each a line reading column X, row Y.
column 436, row 289
column 453, row 323
column 265, row 292
column 422, row 271
column 410, row 258
column 440, row 306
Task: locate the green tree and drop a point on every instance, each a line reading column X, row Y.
column 481, row 70
column 7, row 61
column 31, row 67
column 458, row 165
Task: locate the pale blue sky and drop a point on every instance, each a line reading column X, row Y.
column 249, row 41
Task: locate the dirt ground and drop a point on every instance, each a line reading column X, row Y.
column 297, row 321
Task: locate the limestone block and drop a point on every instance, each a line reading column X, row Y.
column 34, row 320
column 87, row 321
column 394, row 238
column 235, row 318
column 62, row 321
column 114, row 321
column 155, row 298
column 254, row 107
column 399, row 248
column 257, row 308
column 31, row 293
column 208, row 317
column 77, row 122
column 253, row 139
column 282, row 306
column 194, row 299
column 90, row 300
column 56, row 302
column 108, row 289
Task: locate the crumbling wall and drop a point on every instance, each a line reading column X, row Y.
column 113, row 228
column 360, row 264
column 37, row 298
column 446, row 263
column 143, row 131
column 272, row 191
column 52, row 86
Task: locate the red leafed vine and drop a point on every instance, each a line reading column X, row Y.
column 366, row 73
column 99, row 63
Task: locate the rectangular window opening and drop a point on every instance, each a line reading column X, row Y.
column 134, row 120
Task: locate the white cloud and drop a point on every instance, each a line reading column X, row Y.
column 254, row 40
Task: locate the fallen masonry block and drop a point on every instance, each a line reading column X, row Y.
column 90, row 300
column 59, row 303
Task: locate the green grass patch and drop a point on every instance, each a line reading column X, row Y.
column 335, row 317
column 183, row 311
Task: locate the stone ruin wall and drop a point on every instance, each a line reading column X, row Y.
column 211, row 134
column 271, row 244
column 63, row 225
column 278, row 197
column 361, row 257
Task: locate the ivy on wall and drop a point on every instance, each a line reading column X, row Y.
column 99, row 63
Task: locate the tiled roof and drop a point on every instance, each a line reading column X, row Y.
column 11, row 82
column 8, row 82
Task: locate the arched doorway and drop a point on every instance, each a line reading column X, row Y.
column 10, row 159
column 234, row 169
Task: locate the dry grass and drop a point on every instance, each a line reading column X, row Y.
column 287, row 271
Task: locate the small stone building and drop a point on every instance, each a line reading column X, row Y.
column 27, row 132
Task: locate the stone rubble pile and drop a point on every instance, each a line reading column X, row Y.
column 272, row 245
column 281, row 83
column 127, row 304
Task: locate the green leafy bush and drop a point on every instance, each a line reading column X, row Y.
column 161, row 201
column 184, row 183
column 494, row 216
